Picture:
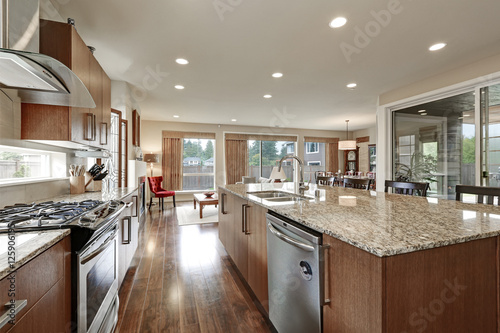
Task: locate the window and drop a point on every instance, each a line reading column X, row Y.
column 314, row 158
column 198, row 164
column 434, row 142
column 312, row 147
column 20, row 163
column 264, row 155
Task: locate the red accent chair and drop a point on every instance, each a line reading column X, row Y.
column 159, row 192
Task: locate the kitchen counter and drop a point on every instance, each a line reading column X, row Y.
column 380, row 223
column 116, row 194
column 27, row 246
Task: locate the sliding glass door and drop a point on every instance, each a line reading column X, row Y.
column 490, row 136
column 435, row 142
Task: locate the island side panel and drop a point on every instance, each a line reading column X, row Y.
column 446, row 289
column 355, row 288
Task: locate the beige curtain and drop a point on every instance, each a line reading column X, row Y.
column 236, row 160
column 172, row 164
column 332, row 156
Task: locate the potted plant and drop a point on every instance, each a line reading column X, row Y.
column 420, row 169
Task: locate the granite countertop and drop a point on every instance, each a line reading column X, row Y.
column 115, row 194
column 27, row 246
column 381, row 223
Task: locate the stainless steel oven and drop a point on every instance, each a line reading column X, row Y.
column 97, row 283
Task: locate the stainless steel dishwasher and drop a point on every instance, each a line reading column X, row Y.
column 295, row 275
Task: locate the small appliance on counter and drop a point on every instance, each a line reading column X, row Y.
column 94, row 177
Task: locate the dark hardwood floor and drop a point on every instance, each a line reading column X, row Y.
column 182, row 280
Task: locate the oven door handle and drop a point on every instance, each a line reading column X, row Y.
column 99, row 250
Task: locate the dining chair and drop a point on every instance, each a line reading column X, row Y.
column 370, row 175
column 359, row 174
column 349, row 173
column 407, row 188
column 329, row 174
column 159, row 192
column 357, row 183
column 481, row 191
column 329, row 181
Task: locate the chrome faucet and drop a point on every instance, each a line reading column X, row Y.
column 302, row 186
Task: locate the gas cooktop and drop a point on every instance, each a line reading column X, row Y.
column 90, row 214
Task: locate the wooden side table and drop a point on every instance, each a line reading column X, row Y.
column 204, row 201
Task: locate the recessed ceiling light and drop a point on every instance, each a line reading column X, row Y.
column 437, row 46
column 338, row 22
column 466, row 115
column 277, row 75
column 178, row 86
column 423, row 114
column 176, row 116
column 268, row 96
column 420, row 111
column 233, row 119
column 352, row 85
column 181, row 61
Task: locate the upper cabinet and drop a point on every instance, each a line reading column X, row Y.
column 61, row 123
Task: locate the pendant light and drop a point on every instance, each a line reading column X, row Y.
column 347, row 144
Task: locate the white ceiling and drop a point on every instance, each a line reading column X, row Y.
column 231, row 60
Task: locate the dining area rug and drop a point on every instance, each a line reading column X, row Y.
column 187, row 215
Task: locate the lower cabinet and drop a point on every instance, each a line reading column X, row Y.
column 128, row 234
column 45, row 283
column 242, row 231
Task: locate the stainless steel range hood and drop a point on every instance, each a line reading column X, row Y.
column 37, row 78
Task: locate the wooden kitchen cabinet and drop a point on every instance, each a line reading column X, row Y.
column 257, row 253
column 226, row 218
column 45, row 282
column 128, row 235
column 61, row 123
column 246, row 243
column 240, row 237
column 420, row 291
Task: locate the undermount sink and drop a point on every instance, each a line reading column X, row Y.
column 272, row 194
column 279, row 196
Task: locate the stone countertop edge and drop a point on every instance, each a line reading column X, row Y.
column 116, row 194
column 30, row 249
column 379, row 250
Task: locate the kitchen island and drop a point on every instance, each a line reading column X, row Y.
column 394, row 264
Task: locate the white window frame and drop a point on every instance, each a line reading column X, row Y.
column 55, row 165
column 312, row 152
column 192, row 163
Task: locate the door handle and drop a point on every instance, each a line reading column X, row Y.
column 88, row 126
column 104, row 133
column 129, row 220
column 19, row 305
column 245, row 219
column 222, row 205
column 289, row 240
column 136, row 205
column 325, row 292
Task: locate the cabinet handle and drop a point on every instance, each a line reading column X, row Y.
column 88, row 126
column 136, row 198
column 104, row 133
column 129, row 220
column 222, row 205
column 244, row 226
column 325, row 292
column 18, row 306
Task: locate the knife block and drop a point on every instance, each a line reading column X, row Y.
column 94, row 185
column 77, row 185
